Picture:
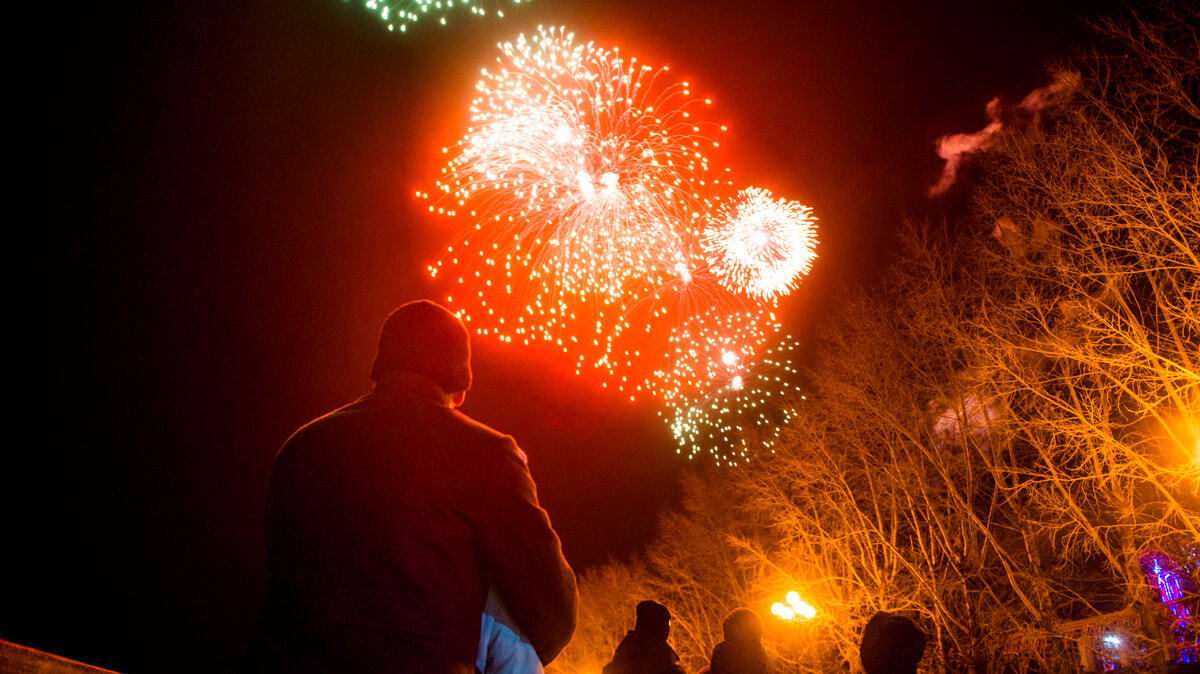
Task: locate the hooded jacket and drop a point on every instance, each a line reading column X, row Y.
column 387, row 520
column 641, row 652
column 742, row 651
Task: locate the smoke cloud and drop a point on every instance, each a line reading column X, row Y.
column 956, row 147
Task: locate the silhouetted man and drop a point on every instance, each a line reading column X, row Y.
column 644, row 649
column 742, row 651
column 388, row 519
column 891, row 644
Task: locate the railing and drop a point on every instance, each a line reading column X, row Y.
column 17, row 659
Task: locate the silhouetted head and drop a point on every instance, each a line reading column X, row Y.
column 423, row 337
column 891, row 644
column 742, row 624
column 653, row 618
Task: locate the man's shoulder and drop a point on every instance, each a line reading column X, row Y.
column 428, row 425
column 478, row 429
column 327, row 422
column 478, row 434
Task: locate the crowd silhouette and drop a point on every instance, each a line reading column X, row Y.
column 404, row 536
column 891, row 644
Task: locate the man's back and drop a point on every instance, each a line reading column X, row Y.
column 644, row 650
column 385, row 519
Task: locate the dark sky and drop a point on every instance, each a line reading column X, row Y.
column 224, row 215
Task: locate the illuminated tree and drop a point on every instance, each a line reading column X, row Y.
column 1005, row 435
column 876, row 506
column 1055, row 361
column 1001, row 439
column 1089, row 335
column 697, row 567
column 608, row 595
column 694, row 567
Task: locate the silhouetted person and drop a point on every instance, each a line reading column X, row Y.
column 644, row 649
column 742, row 651
column 388, row 520
column 891, row 644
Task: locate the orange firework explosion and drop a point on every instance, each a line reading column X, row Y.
column 586, row 186
column 584, row 177
column 761, row 246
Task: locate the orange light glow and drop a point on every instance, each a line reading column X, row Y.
column 794, row 609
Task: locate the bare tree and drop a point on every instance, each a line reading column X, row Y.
column 696, row 563
column 995, row 441
column 1089, row 334
column 608, row 595
column 1063, row 380
column 693, row 567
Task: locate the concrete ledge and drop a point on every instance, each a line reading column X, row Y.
column 16, row 659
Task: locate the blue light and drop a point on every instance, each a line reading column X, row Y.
column 1166, row 576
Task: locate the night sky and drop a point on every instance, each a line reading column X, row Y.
column 223, row 214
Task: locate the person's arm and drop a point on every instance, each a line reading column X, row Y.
column 524, row 556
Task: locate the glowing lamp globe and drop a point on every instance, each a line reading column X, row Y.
column 794, row 609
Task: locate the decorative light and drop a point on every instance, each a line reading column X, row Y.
column 1167, row 577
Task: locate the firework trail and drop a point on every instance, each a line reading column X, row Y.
column 740, row 414
column 761, row 246
column 401, row 14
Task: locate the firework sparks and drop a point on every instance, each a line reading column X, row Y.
column 712, row 345
column 743, row 410
column 586, row 183
column 761, row 246
column 399, row 15
column 584, row 176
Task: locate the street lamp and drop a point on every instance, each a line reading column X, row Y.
column 794, row 609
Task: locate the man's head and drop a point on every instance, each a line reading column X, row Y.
column 653, row 618
column 742, row 624
column 891, row 644
column 424, row 338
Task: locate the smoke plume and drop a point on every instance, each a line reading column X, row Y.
column 955, row 148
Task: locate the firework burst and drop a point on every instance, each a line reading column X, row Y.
column 584, row 177
column 761, row 246
column 400, row 14
column 591, row 201
column 701, row 339
column 741, row 413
